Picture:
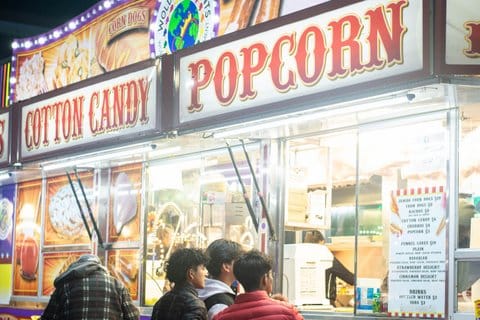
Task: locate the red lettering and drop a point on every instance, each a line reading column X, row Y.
column 57, row 108
column 105, row 117
column 37, row 127
column 342, row 45
column 250, row 68
column 46, row 113
column 353, row 47
column 144, row 86
column 473, row 39
column 305, row 55
column 226, row 83
column 77, row 117
column 277, row 64
column 202, row 73
column 388, row 35
column 66, row 122
column 132, row 104
column 27, row 133
column 94, row 129
column 118, row 105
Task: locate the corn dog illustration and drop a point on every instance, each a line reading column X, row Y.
column 240, row 17
column 268, row 10
column 393, row 204
column 441, row 225
column 396, row 229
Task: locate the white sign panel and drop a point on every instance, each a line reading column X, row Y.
column 462, row 32
column 366, row 41
column 4, row 137
column 122, row 106
column 417, row 264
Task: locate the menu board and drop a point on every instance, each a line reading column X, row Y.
column 125, row 196
column 124, row 265
column 417, row 264
column 54, row 264
column 63, row 220
column 27, row 238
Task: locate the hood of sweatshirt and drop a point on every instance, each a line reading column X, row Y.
column 213, row 286
column 84, row 266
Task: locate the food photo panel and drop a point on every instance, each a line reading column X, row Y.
column 54, row 264
column 125, row 196
column 27, row 238
column 124, row 265
column 63, row 220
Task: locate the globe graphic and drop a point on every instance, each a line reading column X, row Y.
column 183, row 26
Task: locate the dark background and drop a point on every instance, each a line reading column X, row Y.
column 26, row 18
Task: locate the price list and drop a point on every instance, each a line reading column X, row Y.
column 417, row 253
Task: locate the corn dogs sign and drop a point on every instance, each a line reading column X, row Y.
column 366, row 41
column 122, row 106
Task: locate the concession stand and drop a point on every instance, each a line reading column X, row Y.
column 356, row 119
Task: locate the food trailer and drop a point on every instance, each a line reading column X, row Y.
column 357, row 119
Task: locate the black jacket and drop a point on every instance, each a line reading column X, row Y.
column 181, row 303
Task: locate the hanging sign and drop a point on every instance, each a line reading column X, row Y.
column 363, row 42
column 111, row 109
column 417, row 263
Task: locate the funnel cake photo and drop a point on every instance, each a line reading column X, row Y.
column 64, row 214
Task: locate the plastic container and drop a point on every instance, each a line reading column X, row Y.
column 368, row 295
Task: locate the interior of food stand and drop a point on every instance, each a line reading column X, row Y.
column 339, row 165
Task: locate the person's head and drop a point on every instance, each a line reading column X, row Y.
column 314, row 236
column 187, row 265
column 253, row 270
column 221, row 253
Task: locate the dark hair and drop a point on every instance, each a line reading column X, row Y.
column 182, row 260
column 314, row 236
column 250, row 267
column 219, row 252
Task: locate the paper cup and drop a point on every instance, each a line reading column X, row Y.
column 477, row 309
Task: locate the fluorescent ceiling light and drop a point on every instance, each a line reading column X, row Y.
column 164, row 151
column 5, row 175
column 323, row 112
column 91, row 158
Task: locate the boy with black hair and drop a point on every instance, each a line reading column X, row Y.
column 218, row 293
column 254, row 271
column 186, row 270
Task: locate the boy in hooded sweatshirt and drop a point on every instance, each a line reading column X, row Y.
column 218, row 293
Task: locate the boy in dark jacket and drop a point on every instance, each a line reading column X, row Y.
column 186, row 270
